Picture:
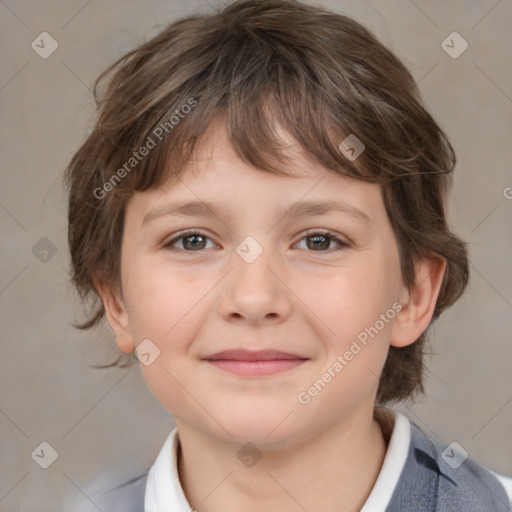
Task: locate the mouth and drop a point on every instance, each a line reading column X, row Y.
column 255, row 363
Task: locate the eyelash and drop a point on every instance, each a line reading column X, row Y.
column 342, row 244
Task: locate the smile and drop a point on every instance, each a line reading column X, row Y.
column 255, row 364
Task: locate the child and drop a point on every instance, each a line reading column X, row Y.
column 294, row 146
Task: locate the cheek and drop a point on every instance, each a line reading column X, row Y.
column 357, row 307
column 164, row 308
column 157, row 301
column 356, row 304
column 350, row 299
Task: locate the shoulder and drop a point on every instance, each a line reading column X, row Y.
column 127, row 497
column 459, row 479
column 506, row 482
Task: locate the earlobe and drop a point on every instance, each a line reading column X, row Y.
column 418, row 309
column 117, row 316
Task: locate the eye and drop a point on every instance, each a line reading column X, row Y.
column 318, row 240
column 193, row 241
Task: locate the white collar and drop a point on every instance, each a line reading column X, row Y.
column 163, row 488
column 165, row 494
column 394, row 461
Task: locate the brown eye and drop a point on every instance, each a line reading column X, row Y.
column 195, row 241
column 320, row 241
column 191, row 241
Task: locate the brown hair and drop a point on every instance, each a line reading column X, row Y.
column 254, row 64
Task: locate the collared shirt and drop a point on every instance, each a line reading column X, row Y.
column 165, row 494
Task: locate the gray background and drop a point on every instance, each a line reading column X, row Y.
column 105, row 424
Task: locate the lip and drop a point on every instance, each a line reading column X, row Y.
column 255, row 363
column 252, row 355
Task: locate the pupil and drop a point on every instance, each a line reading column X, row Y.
column 324, row 245
column 195, row 237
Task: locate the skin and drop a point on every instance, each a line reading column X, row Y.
column 294, row 297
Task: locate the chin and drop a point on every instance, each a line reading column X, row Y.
column 262, row 429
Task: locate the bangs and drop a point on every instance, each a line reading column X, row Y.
column 258, row 88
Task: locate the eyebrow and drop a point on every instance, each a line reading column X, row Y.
column 301, row 209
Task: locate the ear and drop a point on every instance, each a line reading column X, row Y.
column 117, row 315
column 418, row 304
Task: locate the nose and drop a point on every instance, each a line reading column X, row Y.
column 255, row 291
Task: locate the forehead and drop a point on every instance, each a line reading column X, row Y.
column 216, row 176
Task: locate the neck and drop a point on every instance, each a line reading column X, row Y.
column 337, row 468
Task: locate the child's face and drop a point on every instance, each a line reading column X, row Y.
column 298, row 296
